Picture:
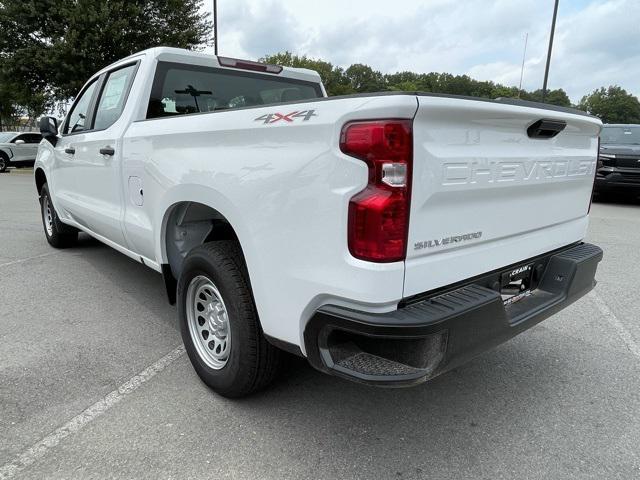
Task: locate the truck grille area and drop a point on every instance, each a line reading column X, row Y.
column 628, row 161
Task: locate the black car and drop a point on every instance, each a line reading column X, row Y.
column 619, row 160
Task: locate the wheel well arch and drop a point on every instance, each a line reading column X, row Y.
column 41, row 179
column 188, row 225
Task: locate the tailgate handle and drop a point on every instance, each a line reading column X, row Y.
column 546, row 128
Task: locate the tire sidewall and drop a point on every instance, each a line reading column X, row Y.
column 4, row 162
column 44, row 193
column 230, row 377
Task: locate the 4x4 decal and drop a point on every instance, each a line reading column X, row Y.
column 306, row 115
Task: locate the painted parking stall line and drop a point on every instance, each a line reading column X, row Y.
column 28, row 259
column 617, row 325
column 37, row 451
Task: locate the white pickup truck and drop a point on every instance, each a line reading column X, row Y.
column 387, row 238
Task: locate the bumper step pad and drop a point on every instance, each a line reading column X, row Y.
column 373, row 365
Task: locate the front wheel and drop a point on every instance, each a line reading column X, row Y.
column 219, row 322
column 57, row 233
column 4, row 162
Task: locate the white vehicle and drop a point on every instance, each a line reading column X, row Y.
column 18, row 149
column 386, row 237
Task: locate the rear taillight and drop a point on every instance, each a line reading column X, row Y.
column 379, row 215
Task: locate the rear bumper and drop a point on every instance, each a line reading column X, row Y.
column 432, row 334
column 619, row 182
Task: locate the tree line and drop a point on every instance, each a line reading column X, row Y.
column 49, row 48
column 612, row 104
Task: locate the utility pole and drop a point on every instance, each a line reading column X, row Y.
column 524, row 55
column 215, row 26
column 546, row 70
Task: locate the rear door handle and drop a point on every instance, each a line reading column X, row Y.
column 107, row 151
column 70, row 150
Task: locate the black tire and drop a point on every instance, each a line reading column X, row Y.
column 58, row 235
column 4, row 162
column 252, row 362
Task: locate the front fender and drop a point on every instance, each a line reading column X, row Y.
column 44, row 161
column 7, row 151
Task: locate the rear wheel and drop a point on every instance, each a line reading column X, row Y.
column 219, row 322
column 57, row 233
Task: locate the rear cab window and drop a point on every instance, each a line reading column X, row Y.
column 180, row 89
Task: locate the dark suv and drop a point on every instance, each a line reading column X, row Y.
column 619, row 160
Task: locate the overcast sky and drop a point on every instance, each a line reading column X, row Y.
column 597, row 42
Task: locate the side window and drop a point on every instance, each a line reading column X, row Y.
column 77, row 120
column 32, row 138
column 20, row 137
column 113, row 97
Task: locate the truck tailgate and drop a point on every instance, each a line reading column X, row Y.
column 486, row 195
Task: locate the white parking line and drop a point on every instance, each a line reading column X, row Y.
column 40, row 449
column 22, row 260
column 606, row 312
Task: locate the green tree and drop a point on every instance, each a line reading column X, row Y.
column 403, row 81
column 8, row 109
column 333, row 78
column 612, row 105
column 49, row 48
column 362, row 78
column 554, row 97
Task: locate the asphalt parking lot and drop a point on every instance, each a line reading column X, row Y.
column 94, row 383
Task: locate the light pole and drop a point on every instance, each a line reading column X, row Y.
column 546, row 70
column 215, row 26
column 524, row 55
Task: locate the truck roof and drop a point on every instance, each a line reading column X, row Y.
column 180, row 55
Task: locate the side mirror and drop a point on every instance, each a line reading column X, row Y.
column 19, row 142
column 49, row 129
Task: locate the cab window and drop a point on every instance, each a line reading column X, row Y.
column 113, row 97
column 32, row 138
column 180, row 89
column 78, row 120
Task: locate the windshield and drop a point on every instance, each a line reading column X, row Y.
column 624, row 135
column 6, row 136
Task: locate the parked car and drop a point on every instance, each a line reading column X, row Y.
column 387, row 238
column 18, row 149
column 619, row 160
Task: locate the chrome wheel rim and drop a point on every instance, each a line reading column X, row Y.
column 3, row 165
column 208, row 321
column 47, row 215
